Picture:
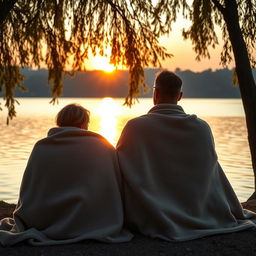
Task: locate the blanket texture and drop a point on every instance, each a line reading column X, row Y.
column 70, row 191
column 174, row 187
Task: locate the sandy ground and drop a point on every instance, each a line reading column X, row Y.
column 239, row 243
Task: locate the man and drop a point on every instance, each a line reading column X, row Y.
column 174, row 187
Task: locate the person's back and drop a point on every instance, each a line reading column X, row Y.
column 174, row 187
column 70, row 189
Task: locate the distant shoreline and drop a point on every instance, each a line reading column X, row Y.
column 119, row 97
column 205, row 84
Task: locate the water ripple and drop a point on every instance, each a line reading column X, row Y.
column 17, row 141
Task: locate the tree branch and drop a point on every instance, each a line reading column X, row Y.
column 117, row 9
column 5, row 8
column 218, row 6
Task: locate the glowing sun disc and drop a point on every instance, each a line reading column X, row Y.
column 102, row 63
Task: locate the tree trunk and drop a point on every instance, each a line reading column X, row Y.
column 5, row 8
column 245, row 77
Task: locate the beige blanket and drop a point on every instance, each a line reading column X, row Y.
column 175, row 188
column 70, row 192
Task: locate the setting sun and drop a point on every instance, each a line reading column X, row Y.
column 102, row 63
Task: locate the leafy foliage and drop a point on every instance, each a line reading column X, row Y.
column 206, row 18
column 60, row 34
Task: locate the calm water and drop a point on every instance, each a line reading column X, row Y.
column 108, row 117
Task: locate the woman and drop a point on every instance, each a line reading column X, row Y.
column 70, row 188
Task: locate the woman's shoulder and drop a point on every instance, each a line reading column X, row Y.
column 64, row 134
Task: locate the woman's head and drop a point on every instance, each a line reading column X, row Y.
column 73, row 115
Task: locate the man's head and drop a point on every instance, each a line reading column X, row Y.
column 167, row 88
column 73, row 115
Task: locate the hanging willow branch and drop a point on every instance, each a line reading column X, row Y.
column 61, row 33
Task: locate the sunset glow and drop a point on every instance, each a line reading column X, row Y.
column 101, row 63
column 184, row 56
column 108, row 111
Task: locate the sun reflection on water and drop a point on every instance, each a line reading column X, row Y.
column 108, row 111
column 108, row 117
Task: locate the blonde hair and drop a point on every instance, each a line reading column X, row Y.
column 73, row 115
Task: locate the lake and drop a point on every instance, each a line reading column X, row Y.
column 108, row 116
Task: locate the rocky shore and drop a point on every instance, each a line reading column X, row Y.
column 239, row 243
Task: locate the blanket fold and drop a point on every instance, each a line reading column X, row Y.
column 70, row 191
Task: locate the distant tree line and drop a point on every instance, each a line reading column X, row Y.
column 205, row 84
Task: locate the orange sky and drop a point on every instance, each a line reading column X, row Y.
column 184, row 56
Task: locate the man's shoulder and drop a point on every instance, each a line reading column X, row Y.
column 201, row 125
column 140, row 120
column 202, row 122
column 146, row 121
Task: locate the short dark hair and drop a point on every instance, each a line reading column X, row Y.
column 168, row 83
column 73, row 115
